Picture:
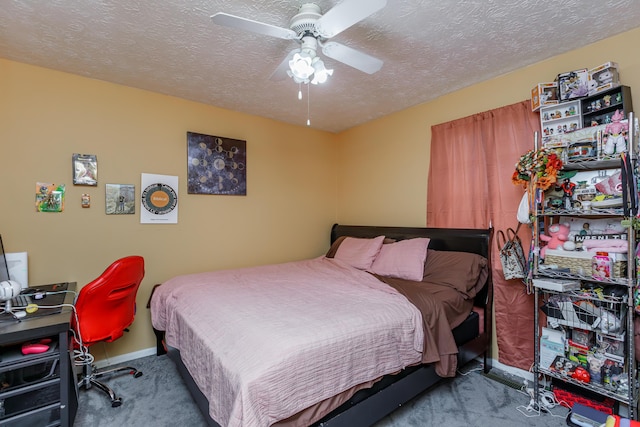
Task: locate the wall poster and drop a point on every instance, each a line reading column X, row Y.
column 159, row 199
column 216, row 165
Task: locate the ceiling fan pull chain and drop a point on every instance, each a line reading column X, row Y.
column 308, row 115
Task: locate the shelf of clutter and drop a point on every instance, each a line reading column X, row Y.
column 584, row 269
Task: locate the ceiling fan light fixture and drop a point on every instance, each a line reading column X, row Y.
column 300, row 67
column 321, row 73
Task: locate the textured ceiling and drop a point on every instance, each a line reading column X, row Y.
column 429, row 48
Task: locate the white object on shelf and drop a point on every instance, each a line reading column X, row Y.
column 552, row 344
column 18, row 267
column 556, row 284
column 558, row 120
column 614, row 202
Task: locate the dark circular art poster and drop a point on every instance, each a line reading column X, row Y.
column 216, row 165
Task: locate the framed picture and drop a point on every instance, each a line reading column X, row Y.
column 85, row 169
column 216, row 165
column 120, row 199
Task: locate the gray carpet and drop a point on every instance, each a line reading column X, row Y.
column 160, row 398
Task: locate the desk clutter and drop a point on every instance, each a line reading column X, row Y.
column 35, row 302
column 17, row 354
column 37, row 387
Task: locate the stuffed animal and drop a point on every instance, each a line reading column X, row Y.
column 558, row 234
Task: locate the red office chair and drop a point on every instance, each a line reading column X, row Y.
column 105, row 308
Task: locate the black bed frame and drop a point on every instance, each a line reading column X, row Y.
column 370, row 405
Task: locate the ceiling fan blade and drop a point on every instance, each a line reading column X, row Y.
column 345, row 14
column 353, row 58
column 233, row 21
column 280, row 73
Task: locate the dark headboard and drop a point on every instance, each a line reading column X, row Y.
column 477, row 241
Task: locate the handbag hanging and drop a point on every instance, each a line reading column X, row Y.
column 514, row 263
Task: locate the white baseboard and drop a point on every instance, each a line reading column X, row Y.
column 513, row 371
column 126, row 357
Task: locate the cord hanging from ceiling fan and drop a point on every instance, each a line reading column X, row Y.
column 308, row 102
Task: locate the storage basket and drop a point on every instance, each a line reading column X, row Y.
column 567, row 398
column 587, row 310
column 582, row 264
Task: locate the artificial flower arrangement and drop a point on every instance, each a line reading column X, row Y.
column 538, row 166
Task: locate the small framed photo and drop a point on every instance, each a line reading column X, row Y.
column 85, row 169
column 121, row 199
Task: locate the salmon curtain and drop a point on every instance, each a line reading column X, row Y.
column 472, row 162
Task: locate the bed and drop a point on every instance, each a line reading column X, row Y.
column 255, row 347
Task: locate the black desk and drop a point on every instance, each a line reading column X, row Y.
column 54, row 396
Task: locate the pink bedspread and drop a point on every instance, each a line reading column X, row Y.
column 264, row 343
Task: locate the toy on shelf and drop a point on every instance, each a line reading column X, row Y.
column 558, row 234
column 568, row 188
column 614, row 132
column 573, row 84
column 544, row 94
column 603, row 77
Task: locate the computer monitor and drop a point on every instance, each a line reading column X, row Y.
column 4, row 267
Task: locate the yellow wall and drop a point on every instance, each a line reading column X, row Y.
column 46, row 116
column 300, row 181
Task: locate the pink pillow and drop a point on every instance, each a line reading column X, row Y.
column 359, row 253
column 403, row 259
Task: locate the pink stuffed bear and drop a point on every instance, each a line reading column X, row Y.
column 559, row 233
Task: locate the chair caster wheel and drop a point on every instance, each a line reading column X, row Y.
column 137, row 375
column 116, row 402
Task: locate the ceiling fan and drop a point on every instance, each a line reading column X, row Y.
column 312, row 29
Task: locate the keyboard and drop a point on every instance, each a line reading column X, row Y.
column 21, row 301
